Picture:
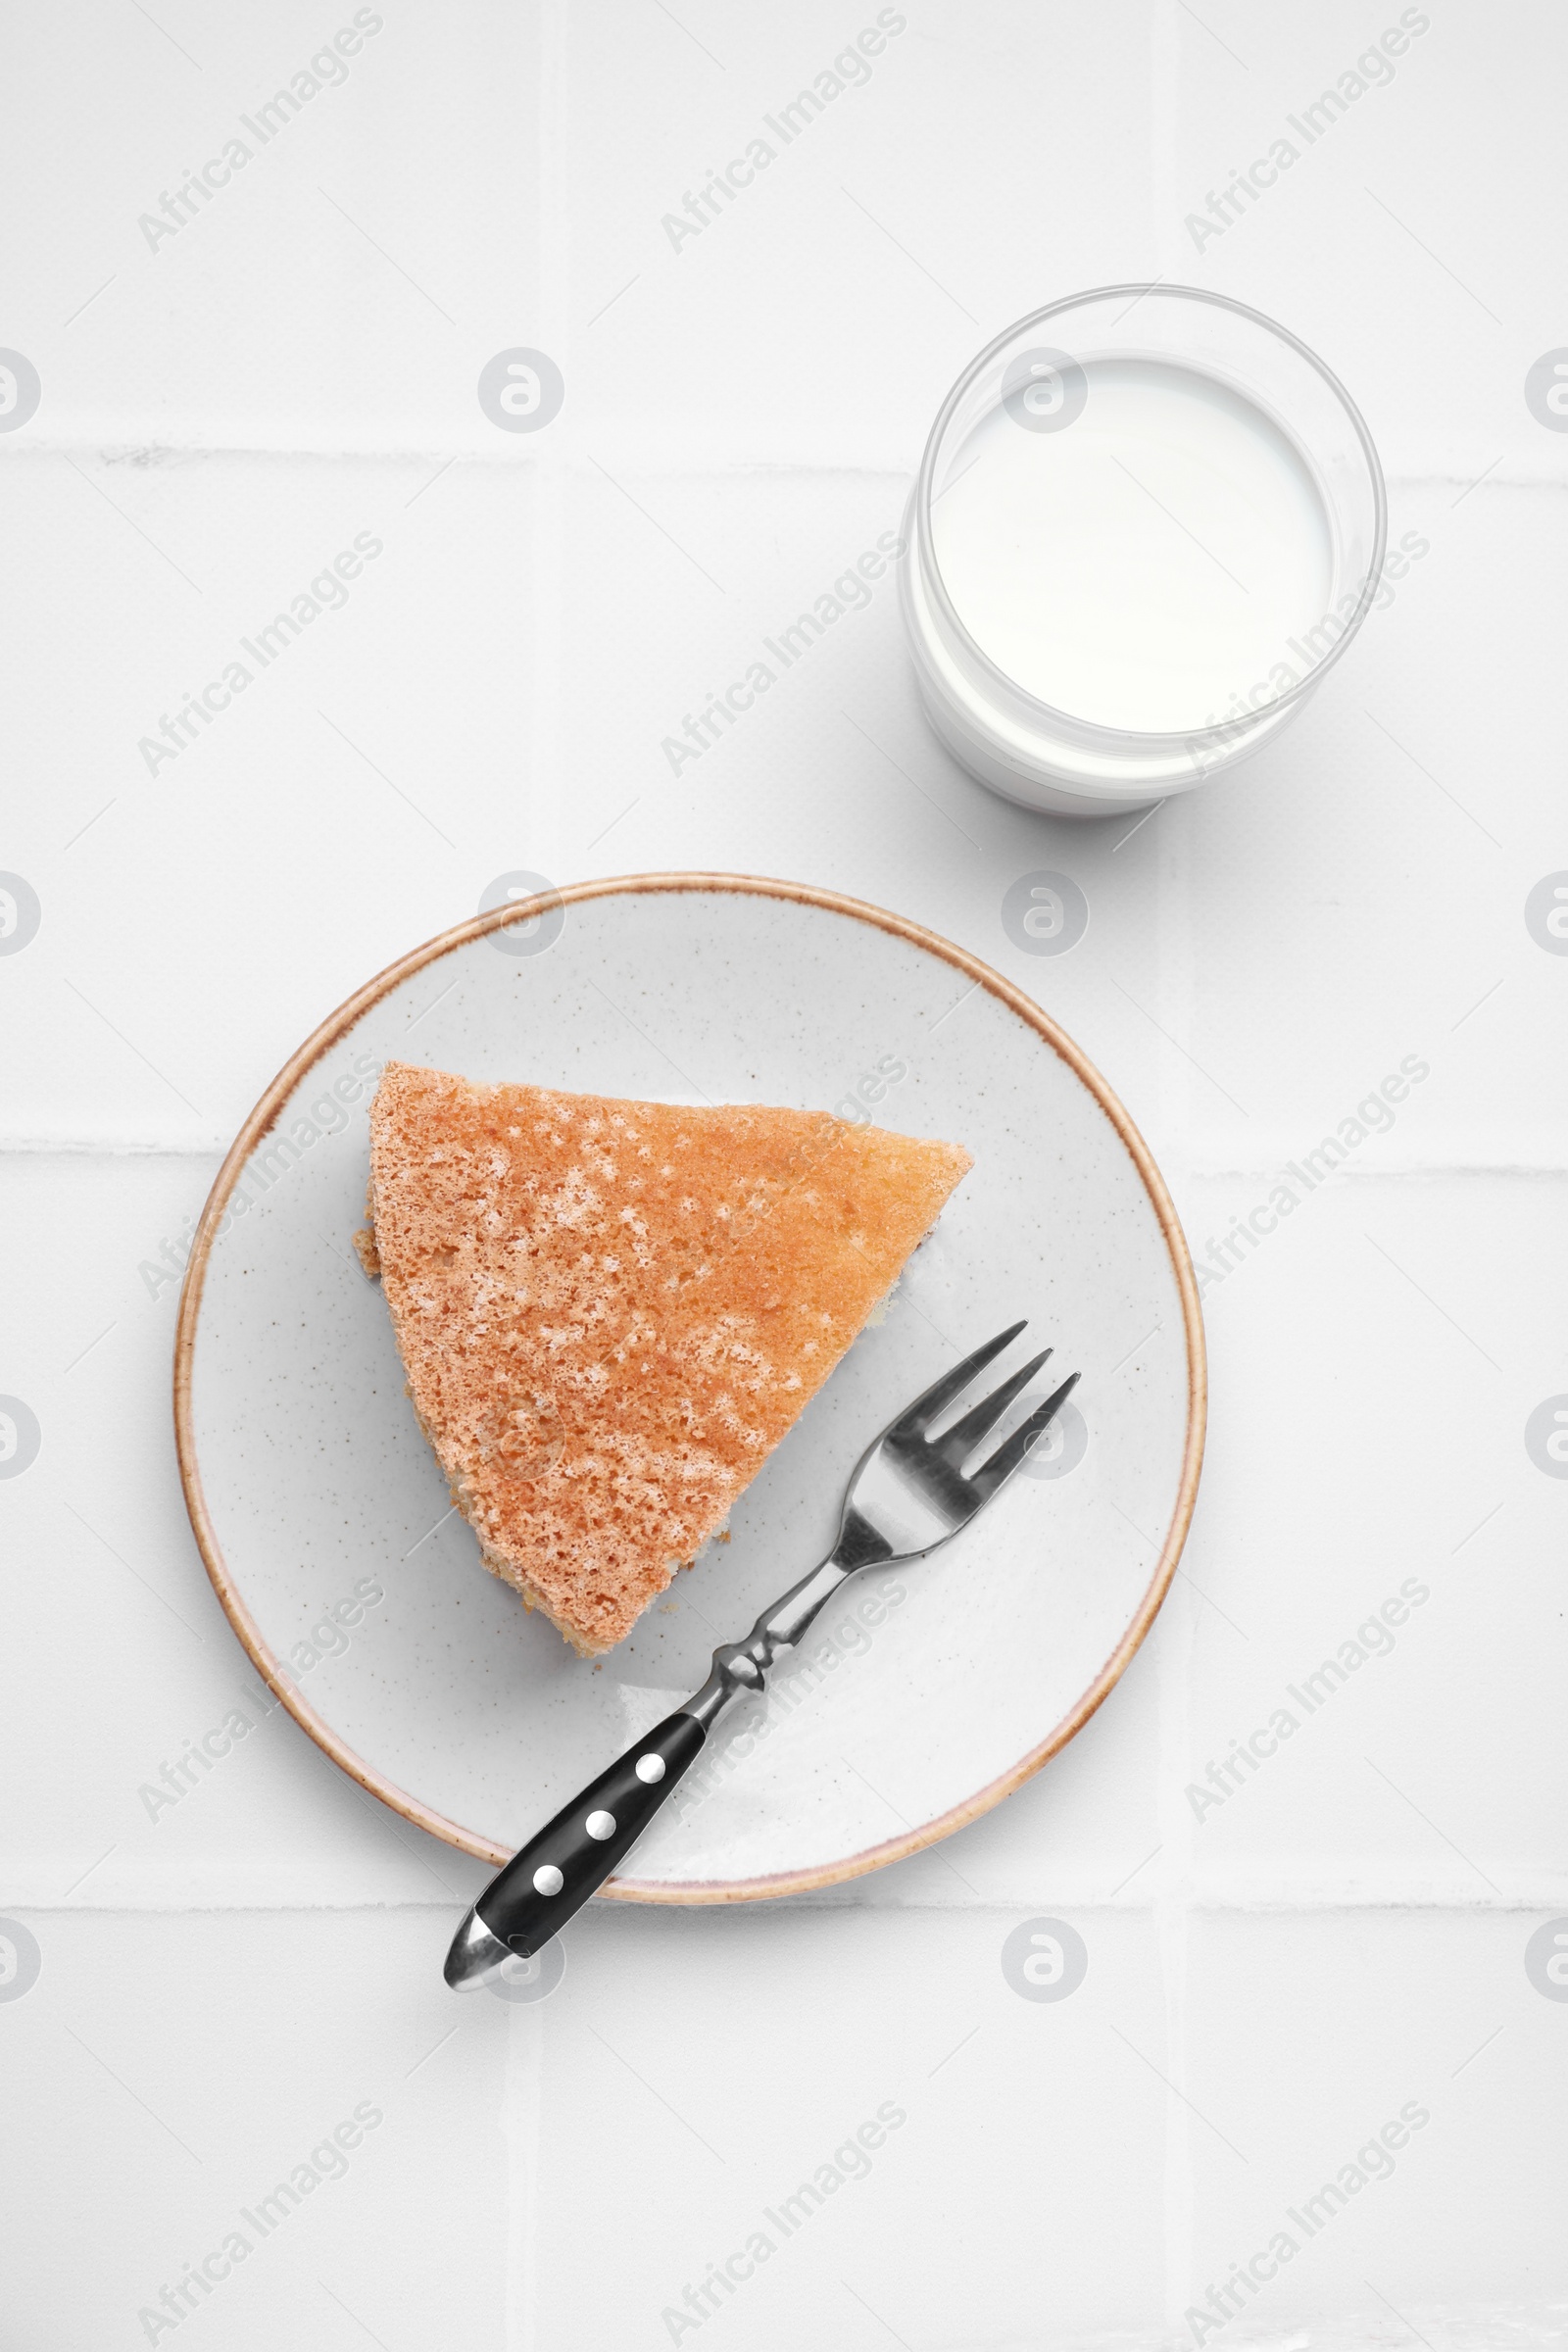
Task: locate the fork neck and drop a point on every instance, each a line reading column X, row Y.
column 740, row 1667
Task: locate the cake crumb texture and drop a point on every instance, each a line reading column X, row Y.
column 610, row 1312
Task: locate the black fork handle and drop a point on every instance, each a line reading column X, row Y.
column 552, row 1876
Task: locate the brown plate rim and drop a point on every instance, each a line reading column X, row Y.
column 336, row 1026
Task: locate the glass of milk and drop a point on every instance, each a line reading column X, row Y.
column 1147, row 521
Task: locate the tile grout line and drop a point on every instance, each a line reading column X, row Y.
column 546, row 843
column 1170, row 842
column 544, row 847
column 1451, row 1902
column 476, row 453
column 522, row 2095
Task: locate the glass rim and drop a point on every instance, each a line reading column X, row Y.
column 932, row 569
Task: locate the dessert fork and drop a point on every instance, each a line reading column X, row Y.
column 908, row 1494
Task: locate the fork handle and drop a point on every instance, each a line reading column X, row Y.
column 552, row 1875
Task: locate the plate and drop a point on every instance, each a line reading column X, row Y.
column 923, row 1696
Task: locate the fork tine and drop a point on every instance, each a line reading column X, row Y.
column 942, row 1393
column 1009, row 1456
column 961, row 1441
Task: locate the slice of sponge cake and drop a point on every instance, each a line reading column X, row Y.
column 610, row 1312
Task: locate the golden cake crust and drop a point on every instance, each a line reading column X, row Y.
column 610, row 1312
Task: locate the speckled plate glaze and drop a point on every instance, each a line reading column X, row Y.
column 924, row 1696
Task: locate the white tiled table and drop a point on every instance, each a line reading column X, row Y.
column 226, row 406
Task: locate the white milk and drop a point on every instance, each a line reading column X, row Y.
column 1145, row 563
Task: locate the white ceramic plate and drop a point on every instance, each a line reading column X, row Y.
column 924, row 1695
